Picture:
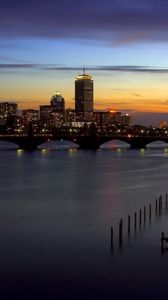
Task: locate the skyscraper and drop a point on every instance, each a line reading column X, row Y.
column 45, row 115
column 58, row 110
column 84, row 94
column 8, row 112
column 126, row 120
column 30, row 115
column 58, row 103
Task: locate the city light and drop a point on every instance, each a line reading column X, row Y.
column 55, row 119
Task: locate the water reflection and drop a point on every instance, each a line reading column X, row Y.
column 4, row 145
column 166, row 151
column 139, row 227
column 44, row 151
column 58, row 145
column 115, row 144
column 20, row 152
column 157, row 145
column 72, row 151
column 56, row 211
column 142, row 152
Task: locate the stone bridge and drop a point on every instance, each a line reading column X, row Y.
column 31, row 142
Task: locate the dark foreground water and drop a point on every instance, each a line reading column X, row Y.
column 56, row 210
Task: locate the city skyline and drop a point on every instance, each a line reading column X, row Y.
column 123, row 46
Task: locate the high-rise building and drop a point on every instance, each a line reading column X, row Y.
column 58, row 110
column 84, row 95
column 57, row 119
column 126, row 120
column 106, row 118
column 45, row 115
column 101, row 118
column 30, row 115
column 57, row 103
column 114, row 117
column 8, row 112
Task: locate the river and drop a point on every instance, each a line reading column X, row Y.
column 56, row 210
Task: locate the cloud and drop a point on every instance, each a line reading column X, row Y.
column 136, row 95
column 134, row 69
column 6, row 59
column 107, row 105
column 18, row 66
column 120, row 90
column 113, row 21
column 121, row 68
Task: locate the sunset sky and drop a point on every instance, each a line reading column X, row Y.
column 122, row 44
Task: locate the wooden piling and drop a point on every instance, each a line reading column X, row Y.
column 150, row 211
column 120, row 231
column 144, row 213
column 111, row 237
column 129, row 224
column 140, row 217
column 162, row 241
column 166, row 201
column 135, row 220
column 159, row 205
column 156, row 206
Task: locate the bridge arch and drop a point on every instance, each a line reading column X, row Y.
column 58, row 144
column 157, row 144
column 114, row 144
column 5, row 145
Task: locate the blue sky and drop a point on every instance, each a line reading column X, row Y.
column 124, row 45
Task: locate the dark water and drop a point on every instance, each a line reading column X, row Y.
column 56, row 210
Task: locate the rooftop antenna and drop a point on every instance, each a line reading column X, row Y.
column 84, row 70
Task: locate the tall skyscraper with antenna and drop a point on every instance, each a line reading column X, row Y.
column 84, row 94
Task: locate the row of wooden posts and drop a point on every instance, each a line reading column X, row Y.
column 159, row 204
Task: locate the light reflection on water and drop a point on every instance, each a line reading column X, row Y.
column 114, row 144
column 56, row 210
column 58, row 145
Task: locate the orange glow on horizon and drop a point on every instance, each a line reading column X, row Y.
column 134, row 95
column 142, row 105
